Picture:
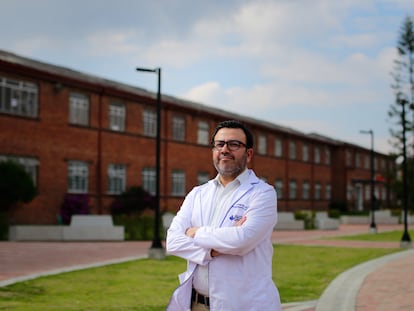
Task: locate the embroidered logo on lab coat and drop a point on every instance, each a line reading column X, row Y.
column 240, row 205
column 235, row 217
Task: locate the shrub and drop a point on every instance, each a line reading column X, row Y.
column 74, row 204
column 16, row 185
column 133, row 201
column 308, row 217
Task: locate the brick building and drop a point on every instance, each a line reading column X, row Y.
column 77, row 133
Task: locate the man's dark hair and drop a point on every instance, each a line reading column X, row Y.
column 234, row 124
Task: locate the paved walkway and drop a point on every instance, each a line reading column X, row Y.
column 382, row 284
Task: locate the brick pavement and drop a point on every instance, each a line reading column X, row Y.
column 389, row 287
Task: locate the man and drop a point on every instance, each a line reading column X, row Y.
column 223, row 230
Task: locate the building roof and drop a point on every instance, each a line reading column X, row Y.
column 60, row 71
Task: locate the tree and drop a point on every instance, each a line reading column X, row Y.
column 404, row 102
column 16, row 185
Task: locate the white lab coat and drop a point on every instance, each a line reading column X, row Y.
column 241, row 278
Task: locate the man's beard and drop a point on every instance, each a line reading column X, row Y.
column 234, row 170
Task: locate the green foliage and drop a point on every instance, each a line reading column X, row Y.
column 403, row 86
column 391, row 236
column 137, row 227
column 74, row 204
column 308, row 217
column 16, row 185
column 134, row 200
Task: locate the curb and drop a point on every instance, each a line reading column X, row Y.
column 341, row 293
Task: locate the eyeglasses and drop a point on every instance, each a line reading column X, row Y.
column 233, row 145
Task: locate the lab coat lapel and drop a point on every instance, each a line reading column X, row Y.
column 238, row 194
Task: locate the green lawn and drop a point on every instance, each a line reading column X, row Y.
column 300, row 272
column 390, row 236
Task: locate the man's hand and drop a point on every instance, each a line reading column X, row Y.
column 190, row 232
column 241, row 221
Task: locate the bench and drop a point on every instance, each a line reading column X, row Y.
column 355, row 220
column 92, row 228
column 81, row 228
column 287, row 221
column 384, row 217
column 324, row 222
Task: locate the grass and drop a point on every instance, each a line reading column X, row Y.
column 390, row 236
column 300, row 272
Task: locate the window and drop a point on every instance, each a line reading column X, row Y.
column 317, row 191
column 349, row 192
column 292, row 189
column 278, row 147
column 149, row 180
column 262, row 144
column 367, row 162
column 327, row 156
column 78, row 109
column 116, row 178
column 357, row 160
column 117, row 117
column 203, row 133
column 279, row 188
column 178, row 183
column 18, row 98
column 30, row 165
column 328, row 191
column 367, row 192
column 149, row 119
column 78, row 177
column 348, row 158
column 292, row 150
column 305, row 152
column 305, row 190
column 317, row 155
column 178, row 130
column 202, row 178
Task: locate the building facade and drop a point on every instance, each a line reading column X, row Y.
column 77, row 133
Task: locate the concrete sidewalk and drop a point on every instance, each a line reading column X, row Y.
column 382, row 284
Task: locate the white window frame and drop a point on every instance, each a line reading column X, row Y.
column 278, row 147
column 262, row 144
column 149, row 120
column 117, row 117
column 78, row 109
column 178, row 128
column 78, row 177
column 18, row 97
column 178, row 183
column 116, row 178
column 203, row 133
column 149, row 180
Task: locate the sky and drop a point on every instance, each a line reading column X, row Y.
column 316, row 66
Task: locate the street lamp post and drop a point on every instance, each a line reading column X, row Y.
column 373, row 226
column 157, row 250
